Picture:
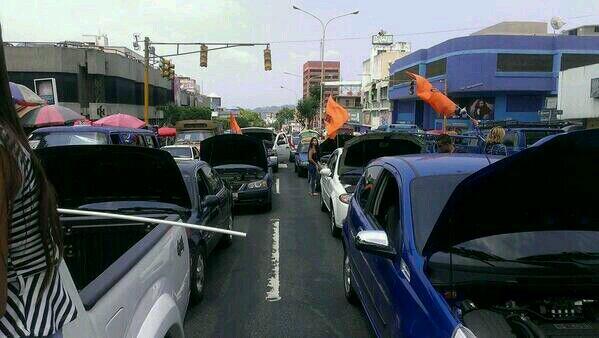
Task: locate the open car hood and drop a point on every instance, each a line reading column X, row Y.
column 359, row 151
column 234, row 149
column 329, row 145
column 549, row 186
column 108, row 173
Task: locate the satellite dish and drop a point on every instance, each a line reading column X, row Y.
column 557, row 23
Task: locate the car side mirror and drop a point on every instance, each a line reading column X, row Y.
column 210, row 201
column 326, row 172
column 374, row 242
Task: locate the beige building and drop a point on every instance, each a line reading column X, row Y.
column 376, row 107
column 578, row 95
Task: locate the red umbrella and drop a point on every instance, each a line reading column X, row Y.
column 120, row 120
column 51, row 115
column 166, row 131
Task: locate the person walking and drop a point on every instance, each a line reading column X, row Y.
column 494, row 142
column 33, row 299
column 313, row 166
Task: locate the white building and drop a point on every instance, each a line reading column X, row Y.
column 578, row 95
column 376, row 107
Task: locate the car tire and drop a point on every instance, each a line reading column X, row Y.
column 348, row 287
column 335, row 231
column 323, row 207
column 198, row 276
column 227, row 240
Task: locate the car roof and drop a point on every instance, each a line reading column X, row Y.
column 442, row 164
column 536, row 129
column 91, row 128
column 188, row 167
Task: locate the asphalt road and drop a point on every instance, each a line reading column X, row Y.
column 306, row 300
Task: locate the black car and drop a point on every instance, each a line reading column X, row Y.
column 211, row 205
column 242, row 163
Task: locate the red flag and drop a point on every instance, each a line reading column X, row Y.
column 233, row 125
column 429, row 94
column 335, row 118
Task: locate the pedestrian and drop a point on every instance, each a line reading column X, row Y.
column 494, row 143
column 33, row 299
column 445, row 144
column 313, row 165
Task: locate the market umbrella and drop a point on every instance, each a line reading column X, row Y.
column 167, row 131
column 50, row 115
column 120, row 120
column 24, row 98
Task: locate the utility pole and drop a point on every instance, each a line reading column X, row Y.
column 146, row 80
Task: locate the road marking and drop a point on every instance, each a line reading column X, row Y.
column 277, row 186
column 272, row 293
column 282, row 165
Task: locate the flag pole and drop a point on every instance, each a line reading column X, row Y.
column 149, row 220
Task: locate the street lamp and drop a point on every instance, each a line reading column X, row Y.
column 324, row 31
column 291, row 90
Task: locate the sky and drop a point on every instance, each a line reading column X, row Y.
column 238, row 74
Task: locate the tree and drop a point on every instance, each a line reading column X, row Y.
column 248, row 118
column 307, row 108
column 283, row 116
column 173, row 113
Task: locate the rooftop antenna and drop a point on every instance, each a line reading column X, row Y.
column 557, row 23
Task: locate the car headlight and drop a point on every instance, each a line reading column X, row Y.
column 258, row 184
column 462, row 332
column 345, row 198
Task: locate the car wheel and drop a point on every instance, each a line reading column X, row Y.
column 198, row 277
column 348, row 287
column 227, row 240
column 335, row 231
column 323, row 207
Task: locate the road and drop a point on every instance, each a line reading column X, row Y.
column 306, row 300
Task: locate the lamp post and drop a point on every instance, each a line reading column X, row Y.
column 324, row 31
column 291, row 90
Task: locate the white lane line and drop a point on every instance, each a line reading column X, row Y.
column 272, row 293
column 282, row 165
column 277, row 186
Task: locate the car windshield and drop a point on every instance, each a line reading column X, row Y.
column 179, row 152
column 39, row 140
column 194, row 136
column 429, row 195
column 264, row 136
column 532, row 136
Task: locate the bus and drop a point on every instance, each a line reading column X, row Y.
column 195, row 131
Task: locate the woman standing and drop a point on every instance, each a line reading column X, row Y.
column 313, row 165
column 494, row 144
column 33, row 301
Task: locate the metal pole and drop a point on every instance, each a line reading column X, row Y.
column 324, row 28
column 146, row 79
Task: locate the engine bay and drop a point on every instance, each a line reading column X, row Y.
column 550, row 317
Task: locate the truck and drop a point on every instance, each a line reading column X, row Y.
column 126, row 278
column 195, row 131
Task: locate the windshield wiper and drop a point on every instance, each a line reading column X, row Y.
column 475, row 254
column 147, row 209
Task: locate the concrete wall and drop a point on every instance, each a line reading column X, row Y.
column 515, row 28
column 574, row 93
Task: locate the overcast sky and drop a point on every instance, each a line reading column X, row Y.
column 237, row 74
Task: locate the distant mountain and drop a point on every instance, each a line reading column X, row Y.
column 271, row 109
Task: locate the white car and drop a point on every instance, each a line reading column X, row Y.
column 339, row 177
column 183, row 152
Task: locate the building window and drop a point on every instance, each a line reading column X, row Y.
column 524, row 62
column 436, row 68
column 400, row 77
column 384, row 93
column 596, row 29
column 346, row 103
column 578, row 60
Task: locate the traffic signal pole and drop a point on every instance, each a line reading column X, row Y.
column 146, row 80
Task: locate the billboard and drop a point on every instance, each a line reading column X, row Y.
column 46, row 89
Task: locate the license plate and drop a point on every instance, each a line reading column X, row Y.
column 235, row 196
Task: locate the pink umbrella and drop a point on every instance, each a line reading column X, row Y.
column 51, row 115
column 120, row 120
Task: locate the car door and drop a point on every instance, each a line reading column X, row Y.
column 327, row 181
column 358, row 221
column 282, row 148
column 213, row 215
column 389, row 276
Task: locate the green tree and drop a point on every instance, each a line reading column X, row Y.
column 307, row 108
column 283, row 116
column 173, row 113
column 248, row 118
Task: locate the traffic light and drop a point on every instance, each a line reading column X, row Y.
column 167, row 69
column 203, row 56
column 267, row 59
column 411, row 91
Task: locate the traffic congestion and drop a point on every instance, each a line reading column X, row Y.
column 412, row 203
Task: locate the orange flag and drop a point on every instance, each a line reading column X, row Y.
column 335, row 118
column 429, row 94
column 233, row 125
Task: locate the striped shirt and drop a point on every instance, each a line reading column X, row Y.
column 31, row 310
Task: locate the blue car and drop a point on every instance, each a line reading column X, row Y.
column 88, row 135
column 301, row 159
column 462, row 245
